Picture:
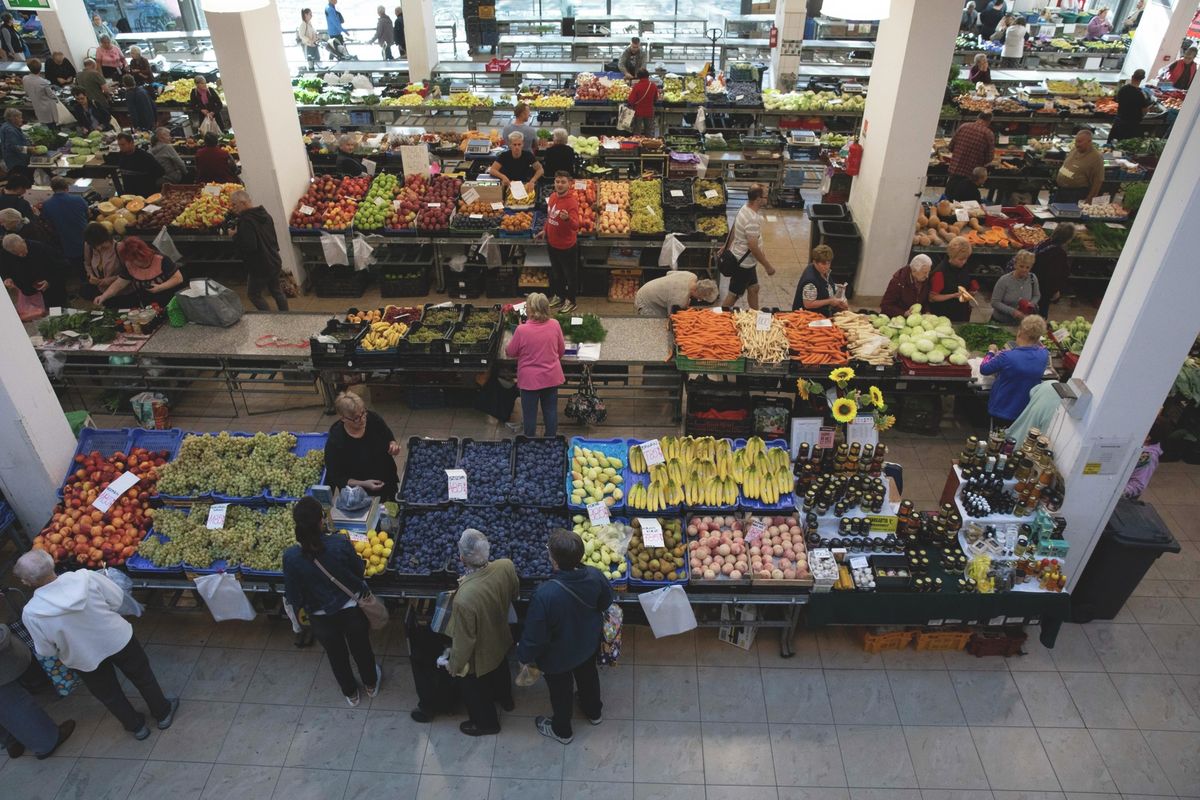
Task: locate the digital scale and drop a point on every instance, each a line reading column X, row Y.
column 479, row 147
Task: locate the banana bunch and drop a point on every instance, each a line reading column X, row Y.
column 688, row 448
column 660, row 493
column 637, row 461
column 766, row 486
column 384, row 335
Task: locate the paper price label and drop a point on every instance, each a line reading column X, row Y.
column 598, row 513
column 883, row 523
column 357, row 536
column 370, row 166
column 763, row 321
column 676, row 193
column 739, row 97
column 456, row 484
column 611, row 208
column 433, row 205
column 216, row 516
column 1002, row 139
column 210, row 189
column 1116, row 225
column 652, row 452
column 717, row 310
column 476, row 216
column 821, row 323
column 651, row 210
column 757, row 529
column 826, row 438
column 1061, row 335
column 961, row 215
column 497, row 206
column 379, row 201
column 470, row 195
column 56, row 311
column 1102, row 200
column 114, row 490
column 150, row 209
column 652, row 533
column 711, row 193
column 576, row 320
column 518, row 190
column 581, row 186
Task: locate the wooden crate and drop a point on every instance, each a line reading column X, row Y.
column 997, row 642
column 874, row 642
column 943, row 639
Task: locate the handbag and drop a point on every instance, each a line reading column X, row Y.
column 625, row 115
column 372, row 606
column 443, row 606
column 585, row 406
column 727, row 263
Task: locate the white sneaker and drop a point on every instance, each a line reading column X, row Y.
column 378, row 681
column 354, row 700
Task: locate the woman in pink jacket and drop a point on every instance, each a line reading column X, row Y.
column 538, row 347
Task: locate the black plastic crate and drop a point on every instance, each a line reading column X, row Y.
column 501, row 282
column 465, row 285
column 831, row 211
column 423, row 353
column 719, row 428
column 339, row 282
column 845, row 240
column 339, row 355
column 413, row 284
column 677, row 194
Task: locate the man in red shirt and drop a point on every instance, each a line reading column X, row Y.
column 642, row 96
column 973, row 145
column 562, row 225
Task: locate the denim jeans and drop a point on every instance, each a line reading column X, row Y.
column 530, row 398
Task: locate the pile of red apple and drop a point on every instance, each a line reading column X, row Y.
column 321, row 196
column 356, row 188
column 408, row 202
column 438, row 203
column 79, row 532
column 589, row 87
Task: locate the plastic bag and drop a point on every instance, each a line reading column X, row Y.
column 614, row 536
column 30, row 306
column 62, row 114
column 151, row 409
column 528, row 675
column 363, row 252
column 224, row 597
column 361, row 82
column 129, row 606
column 625, row 116
column 209, row 125
column 207, row 302
column 671, row 250
column 165, row 245
column 668, row 611
column 334, row 247
column 700, row 120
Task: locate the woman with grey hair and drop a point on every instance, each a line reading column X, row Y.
column 909, row 286
column 559, row 156
column 347, row 164
column 15, row 146
column 479, row 633
column 110, row 58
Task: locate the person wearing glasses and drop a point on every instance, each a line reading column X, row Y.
column 361, row 449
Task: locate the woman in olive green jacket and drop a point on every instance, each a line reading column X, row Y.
column 480, row 634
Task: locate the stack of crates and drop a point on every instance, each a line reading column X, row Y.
column 480, row 19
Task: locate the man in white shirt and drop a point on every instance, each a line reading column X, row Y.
column 745, row 243
column 73, row 617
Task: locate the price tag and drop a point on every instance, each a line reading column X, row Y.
column 821, row 323
column 1116, row 225
column 763, row 321
column 612, row 208
column 1068, row 30
column 757, row 529
column 379, row 201
column 83, row 183
column 1102, row 200
column 1049, row 226
column 518, row 190
column 212, row 189
column 598, row 513
column 370, row 166
column 961, row 215
column 476, row 216
column 652, row 534
column 1002, row 140
column 772, row 218
column 470, row 195
column 739, row 97
column 861, row 429
column 497, row 206
column 581, row 186
column 805, row 430
column 650, row 210
column 826, row 439
column 576, row 320
column 456, row 484
column 1013, row 620
column 935, row 623
column 357, row 536
column 433, row 205
column 652, row 452
column 150, row 209
column 883, row 523
column 717, row 310
column 996, row 620
column 676, row 193
column 55, row 311
column 711, row 193
column 216, row 516
column 114, row 490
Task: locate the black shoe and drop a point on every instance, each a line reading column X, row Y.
column 419, row 714
column 304, row 638
column 166, row 721
column 142, row 733
column 471, row 729
column 15, row 749
column 509, row 706
column 65, row 729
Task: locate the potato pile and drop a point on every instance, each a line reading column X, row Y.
column 933, row 231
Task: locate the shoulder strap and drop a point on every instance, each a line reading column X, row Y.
column 573, row 594
column 334, row 580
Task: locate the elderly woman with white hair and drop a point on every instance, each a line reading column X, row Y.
column 559, row 156
column 517, row 164
column 909, row 286
column 347, row 163
column 479, row 633
column 110, row 58
column 140, row 67
column 361, row 449
column 204, row 103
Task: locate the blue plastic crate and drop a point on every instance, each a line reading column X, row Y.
column 644, row 480
column 305, row 443
column 787, row 500
column 613, row 448
column 155, row 440
column 105, row 441
column 138, row 564
column 246, row 572
column 641, row 583
column 220, row 565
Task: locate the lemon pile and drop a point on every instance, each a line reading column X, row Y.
column 374, row 552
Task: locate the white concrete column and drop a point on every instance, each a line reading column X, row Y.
column 1158, row 36
column 421, row 38
column 912, row 60
column 785, row 58
column 68, row 29
column 258, row 91
column 1140, row 338
column 35, row 440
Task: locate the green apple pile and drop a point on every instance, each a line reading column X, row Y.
column 376, row 207
column 923, row 338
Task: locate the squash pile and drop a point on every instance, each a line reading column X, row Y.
column 120, row 211
column 932, row 229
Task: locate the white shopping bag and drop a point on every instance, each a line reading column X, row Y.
column 701, row 122
column 333, row 245
column 668, row 611
column 166, row 245
column 129, row 606
column 671, row 250
column 224, row 597
column 363, row 252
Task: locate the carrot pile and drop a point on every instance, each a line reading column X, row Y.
column 813, row 346
column 702, row 334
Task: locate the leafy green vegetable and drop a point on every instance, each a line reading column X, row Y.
column 978, row 336
column 1134, row 194
column 590, row 331
column 1107, row 238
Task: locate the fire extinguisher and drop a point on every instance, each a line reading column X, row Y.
column 774, row 37
column 854, row 159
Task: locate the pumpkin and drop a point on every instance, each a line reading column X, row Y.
column 106, row 208
column 116, row 201
column 135, row 205
column 154, row 198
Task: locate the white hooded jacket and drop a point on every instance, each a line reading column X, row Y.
column 74, row 618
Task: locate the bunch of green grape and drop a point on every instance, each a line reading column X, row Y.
column 239, row 466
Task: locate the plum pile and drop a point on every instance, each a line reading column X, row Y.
column 425, row 473
column 428, row 541
column 520, row 534
column 541, row 465
column 488, row 466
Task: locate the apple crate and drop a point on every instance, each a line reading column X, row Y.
column 623, row 285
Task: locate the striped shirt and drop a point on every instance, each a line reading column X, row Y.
column 747, row 225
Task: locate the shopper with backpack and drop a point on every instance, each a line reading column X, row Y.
column 563, row 633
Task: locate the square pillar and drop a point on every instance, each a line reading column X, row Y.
column 421, row 38
column 68, row 29
column 1162, row 29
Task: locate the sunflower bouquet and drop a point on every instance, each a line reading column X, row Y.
column 845, row 407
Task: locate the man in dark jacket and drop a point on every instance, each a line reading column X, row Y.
column 990, row 17
column 398, row 33
column 562, row 634
column 140, row 171
column 258, row 246
column 141, row 105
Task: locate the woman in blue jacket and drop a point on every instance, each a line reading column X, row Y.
column 1017, row 371
column 341, row 627
column 562, row 634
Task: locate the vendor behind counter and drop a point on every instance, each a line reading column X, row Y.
column 517, row 164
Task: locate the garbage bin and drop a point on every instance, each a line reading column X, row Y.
column 1133, row 539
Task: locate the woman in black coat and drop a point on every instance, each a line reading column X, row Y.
column 205, row 102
